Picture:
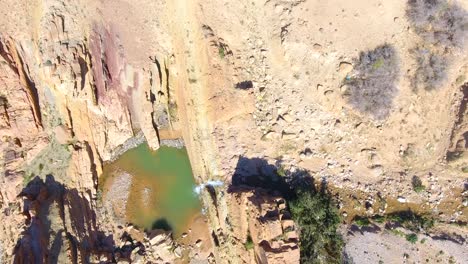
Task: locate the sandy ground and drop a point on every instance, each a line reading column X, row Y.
column 387, row 247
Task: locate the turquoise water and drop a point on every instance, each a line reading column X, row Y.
column 162, row 189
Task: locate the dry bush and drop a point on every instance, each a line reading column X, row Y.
column 438, row 22
column 372, row 86
column 431, row 71
column 442, row 27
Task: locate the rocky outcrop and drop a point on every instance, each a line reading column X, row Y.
column 265, row 220
column 252, row 225
column 61, row 226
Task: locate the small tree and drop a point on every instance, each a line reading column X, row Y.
column 318, row 220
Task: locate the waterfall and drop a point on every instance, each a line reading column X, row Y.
column 200, row 187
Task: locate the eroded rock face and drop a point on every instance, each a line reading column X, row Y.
column 258, row 224
column 69, row 98
column 60, row 226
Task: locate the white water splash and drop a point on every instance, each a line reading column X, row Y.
column 200, row 187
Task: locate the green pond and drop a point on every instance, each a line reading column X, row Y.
column 161, row 194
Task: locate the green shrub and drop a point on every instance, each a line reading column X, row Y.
column 249, row 242
column 411, row 221
column 362, row 221
column 221, row 52
column 412, row 238
column 379, row 219
column 281, row 171
column 318, row 220
column 417, row 184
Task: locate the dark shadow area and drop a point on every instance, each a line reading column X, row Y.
column 455, row 238
column 162, row 224
column 245, row 85
column 371, row 228
column 61, row 226
column 257, row 173
column 215, row 239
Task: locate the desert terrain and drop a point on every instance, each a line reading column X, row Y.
column 317, row 131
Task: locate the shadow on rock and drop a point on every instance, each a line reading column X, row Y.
column 258, row 173
column 162, row 224
column 61, row 226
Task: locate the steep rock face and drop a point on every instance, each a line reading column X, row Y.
column 261, row 219
column 62, row 227
column 66, row 88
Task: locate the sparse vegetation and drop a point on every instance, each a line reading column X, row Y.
column 281, row 171
column 287, row 147
column 438, row 22
column 249, row 242
column 412, row 238
column 411, row 221
column 221, row 51
column 417, row 184
column 441, row 25
column 397, row 232
column 372, row 86
column 406, row 219
column 318, row 219
column 362, row 221
column 172, row 108
column 27, row 178
column 431, row 71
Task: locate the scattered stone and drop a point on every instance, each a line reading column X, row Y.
column 178, row 251
column 174, row 143
column 288, row 136
column 345, row 67
column 198, row 243
column 287, row 118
